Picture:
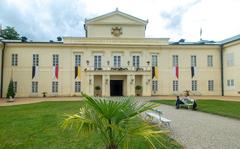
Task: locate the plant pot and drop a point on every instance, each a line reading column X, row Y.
column 10, row 99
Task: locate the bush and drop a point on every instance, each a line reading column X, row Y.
column 10, row 92
column 138, row 87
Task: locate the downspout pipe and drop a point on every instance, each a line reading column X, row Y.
column 222, row 74
column 3, row 49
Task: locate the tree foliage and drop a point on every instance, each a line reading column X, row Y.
column 10, row 33
column 10, row 92
column 116, row 122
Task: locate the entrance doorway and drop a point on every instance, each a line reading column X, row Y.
column 116, row 87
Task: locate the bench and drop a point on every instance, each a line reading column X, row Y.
column 157, row 115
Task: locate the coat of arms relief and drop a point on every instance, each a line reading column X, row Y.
column 116, row 31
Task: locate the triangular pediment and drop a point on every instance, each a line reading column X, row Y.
column 116, row 17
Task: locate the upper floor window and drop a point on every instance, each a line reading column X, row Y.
column 210, row 85
column 77, row 60
column 193, row 60
column 97, row 61
column 136, row 61
column 194, row 85
column 55, row 59
column 210, row 61
column 117, row 61
column 175, row 85
column 35, row 60
column 230, row 59
column 175, row 60
column 154, row 60
column 14, row 59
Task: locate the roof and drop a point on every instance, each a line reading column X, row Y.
column 231, row 39
column 87, row 21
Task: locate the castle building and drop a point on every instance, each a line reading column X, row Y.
column 115, row 59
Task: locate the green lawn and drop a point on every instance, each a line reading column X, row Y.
column 37, row 126
column 223, row 108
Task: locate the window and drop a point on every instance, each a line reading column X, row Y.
column 175, row 60
column 230, row 83
column 35, row 59
column 97, row 61
column 154, row 85
column 15, row 86
column 34, row 87
column 55, row 59
column 193, row 60
column 175, row 85
column 54, row 86
column 210, row 61
column 117, row 61
column 230, row 59
column 154, row 60
column 77, row 86
column 136, row 61
column 77, row 60
column 210, row 85
column 14, row 59
column 194, row 85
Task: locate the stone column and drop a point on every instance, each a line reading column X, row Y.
column 90, row 81
column 106, row 85
column 130, row 85
column 146, row 85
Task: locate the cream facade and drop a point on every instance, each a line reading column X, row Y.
column 116, row 57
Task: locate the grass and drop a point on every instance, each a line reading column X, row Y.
column 37, row 126
column 223, row 108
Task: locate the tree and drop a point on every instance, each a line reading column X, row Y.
column 10, row 92
column 10, row 33
column 117, row 122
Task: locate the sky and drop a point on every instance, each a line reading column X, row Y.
column 44, row 20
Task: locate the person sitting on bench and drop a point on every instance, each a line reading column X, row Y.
column 178, row 102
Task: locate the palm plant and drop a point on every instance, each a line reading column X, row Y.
column 115, row 121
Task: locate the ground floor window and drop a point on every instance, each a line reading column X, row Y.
column 34, row 87
column 77, row 86
column 154, row 85
column 15, row 86
column 54, row 86
column 230, row 83
column 210, row 85
column 175, row 85
column 194, row 85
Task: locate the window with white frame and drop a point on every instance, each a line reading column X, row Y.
column 117, row 61
column 54, row 86
column 230, row 83
column 136, row 61
column 77, row 60
column 34, row 87
column 97, row 61
column 210, row 85
column 193, row 60
column 210, row 61
column 35, row 59
column 154, row 85
column 14, row 59
column 230, row 59
column 175, row 85
column 15, row 86
column 194, row 85
column 77, row 86
column 175, row 60
column 154, row 60
column 55, row 59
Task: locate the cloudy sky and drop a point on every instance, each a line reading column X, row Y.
column 46, row 19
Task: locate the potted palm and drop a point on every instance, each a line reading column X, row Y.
column 10, row 93
column 97, row 88
column 138, row 89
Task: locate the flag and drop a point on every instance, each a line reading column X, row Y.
column 77, row 72
column 176, row 71
column 154, row 72
column 35, row 71
column 193, row 71
column 55, row 72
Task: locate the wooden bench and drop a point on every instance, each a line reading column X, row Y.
column 150, row 115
